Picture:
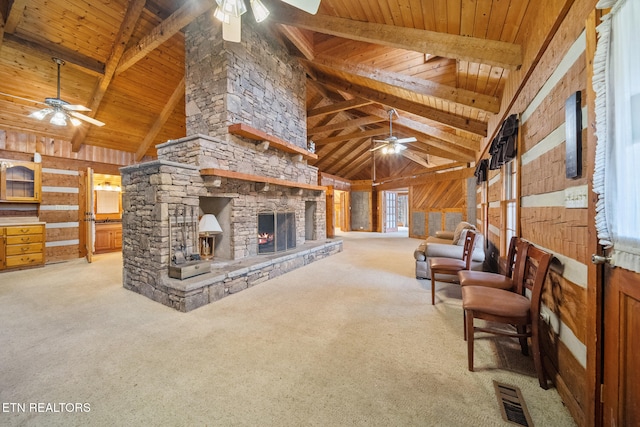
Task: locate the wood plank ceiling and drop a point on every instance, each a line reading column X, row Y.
column 441, row 64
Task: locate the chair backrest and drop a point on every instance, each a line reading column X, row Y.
column 511, row 256
column 469, row 240
column 532, row 273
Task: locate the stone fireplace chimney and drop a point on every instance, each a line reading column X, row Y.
column 254, row 84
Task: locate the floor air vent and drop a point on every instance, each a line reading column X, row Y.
column 512, row 404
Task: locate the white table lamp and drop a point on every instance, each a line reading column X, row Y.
column 208, row 228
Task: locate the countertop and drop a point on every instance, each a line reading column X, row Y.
column 23, row 220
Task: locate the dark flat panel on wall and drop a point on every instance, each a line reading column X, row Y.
column 435, row 222
column 418, row 224
column 451, row 220
column 360, row 210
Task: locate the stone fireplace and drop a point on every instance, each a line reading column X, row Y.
column 242, row 178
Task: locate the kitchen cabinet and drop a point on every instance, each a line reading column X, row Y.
column 22, row 246
column 20, row 181
column 108, row 237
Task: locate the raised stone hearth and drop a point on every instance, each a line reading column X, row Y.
column 254, row 85
column 230, row 277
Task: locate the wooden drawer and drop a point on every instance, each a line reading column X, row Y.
column 24, row 229
column 24, row 239
column 24, row 260
column 28, row 248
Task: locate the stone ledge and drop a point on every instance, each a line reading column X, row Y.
column 229, row 277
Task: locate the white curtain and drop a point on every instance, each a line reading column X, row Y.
column 617, row 170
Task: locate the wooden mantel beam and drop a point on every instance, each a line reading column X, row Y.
column 223, row 173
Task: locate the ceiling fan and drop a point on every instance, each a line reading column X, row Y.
column 392, row 144
column 61, row 111
column 229, row 12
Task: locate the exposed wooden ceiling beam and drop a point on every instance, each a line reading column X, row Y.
column 189, row 11
column 299, row 39
column 414, row 158
column 52, row 50
column 353, row 135
column 452, row 120
column 463, row 97
column 15, row 15
column 1, row 28
column 127, row 26
column 446, row 152
column 176, row 97
column 347, row 124
column 496, row 53
column 338, row 106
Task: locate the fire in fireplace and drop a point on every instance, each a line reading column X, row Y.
column 276, row 232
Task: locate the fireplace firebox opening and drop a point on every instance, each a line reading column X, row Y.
column 276, row 232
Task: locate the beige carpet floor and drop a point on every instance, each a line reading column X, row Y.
column 351, row 340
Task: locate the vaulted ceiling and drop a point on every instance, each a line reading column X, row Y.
column 441, row 64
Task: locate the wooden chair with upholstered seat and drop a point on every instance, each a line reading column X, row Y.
column 511, row 308
column 493, row 280
column 451, row 266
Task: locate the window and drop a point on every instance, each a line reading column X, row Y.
column 484, row 207
column 509, row 205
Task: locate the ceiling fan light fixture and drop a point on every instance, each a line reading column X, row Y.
column 58, row 119
column 396, row 148
column 75, row 121
column 232, row 7
column 41, row 114
column 221, row 16
column 260, row 11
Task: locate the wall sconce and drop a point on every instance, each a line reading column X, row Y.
column 208, row 228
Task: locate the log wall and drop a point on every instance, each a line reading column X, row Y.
column 558, row 68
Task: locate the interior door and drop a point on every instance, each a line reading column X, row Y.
column 330, row 214
column 390, row 212
column 89, row 216
column 621, row 348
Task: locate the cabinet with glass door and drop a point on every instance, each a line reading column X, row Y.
column 20, row 181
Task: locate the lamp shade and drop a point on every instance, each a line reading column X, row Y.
column 209, row 224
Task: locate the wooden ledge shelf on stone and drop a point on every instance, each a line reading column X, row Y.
column 246, row 131
column 259, row 179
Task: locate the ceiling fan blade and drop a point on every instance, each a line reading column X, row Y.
column 400, row 147
column 309, row 6
column 86, row 118
column 71, row 107
column 378, row 147
column 21, row 98
column 405, row 140
column 382, row 141
column 231, row 31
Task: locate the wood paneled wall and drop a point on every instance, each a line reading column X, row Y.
column 442, row 196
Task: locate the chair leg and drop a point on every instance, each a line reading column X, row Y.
column 469, row 334
column 537, row 360
column 433, row 288
column 524, row 346
column 464, row 324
